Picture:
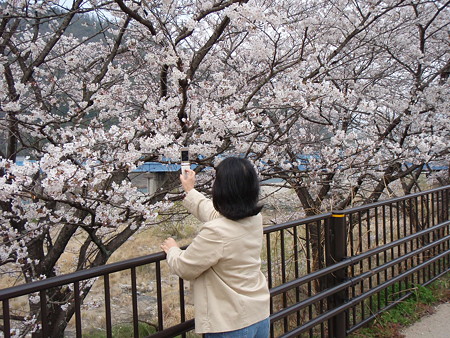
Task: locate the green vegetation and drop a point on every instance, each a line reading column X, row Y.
column 124, row 330
column 390, row 323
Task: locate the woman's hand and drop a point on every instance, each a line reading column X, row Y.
column 188, row 180
column 168, row 243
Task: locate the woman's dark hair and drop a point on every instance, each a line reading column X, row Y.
column 235, row 191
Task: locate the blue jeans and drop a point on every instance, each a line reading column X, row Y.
column 258, row 330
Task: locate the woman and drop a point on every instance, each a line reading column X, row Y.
column 231, row 297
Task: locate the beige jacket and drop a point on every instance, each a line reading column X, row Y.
column 223, row 262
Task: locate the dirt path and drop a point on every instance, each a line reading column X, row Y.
column 436, row 325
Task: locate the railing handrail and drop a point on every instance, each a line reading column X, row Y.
column 290, row 224
column 390, row 201
column 340, row 268
column 98, row 271
column 316, row 218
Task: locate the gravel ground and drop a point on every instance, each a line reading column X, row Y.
column 436, row 325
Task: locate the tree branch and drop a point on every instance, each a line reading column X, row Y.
column 136, row 16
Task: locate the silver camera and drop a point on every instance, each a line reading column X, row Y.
column 184, row 160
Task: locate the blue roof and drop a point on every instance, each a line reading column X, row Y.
column 156, row 167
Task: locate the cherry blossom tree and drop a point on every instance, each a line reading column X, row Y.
column 337, row 98
column 355, row 113
column 365, row 106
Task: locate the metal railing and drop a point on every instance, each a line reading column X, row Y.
column 328, row 275
column 368, row 259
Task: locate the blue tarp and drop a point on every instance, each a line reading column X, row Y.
column 156, row 167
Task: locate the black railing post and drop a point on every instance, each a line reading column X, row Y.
column 6, row 319
column 337, row 252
